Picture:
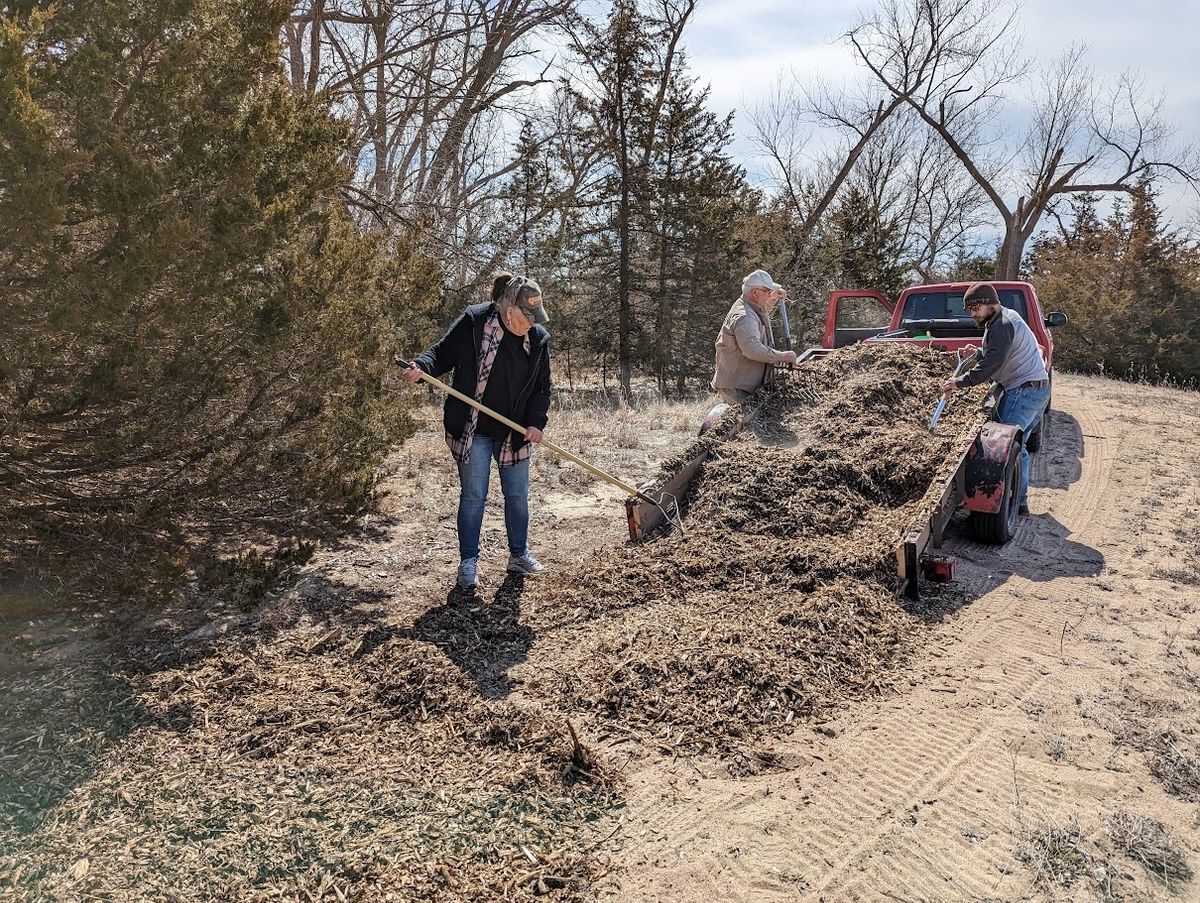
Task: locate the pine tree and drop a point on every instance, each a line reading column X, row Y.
column 657, row 261
column 865, row 244
column 697, row 197
column 633, row 57
column 626, row 73
column 1130, row 286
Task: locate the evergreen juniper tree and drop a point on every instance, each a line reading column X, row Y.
column 196, row 338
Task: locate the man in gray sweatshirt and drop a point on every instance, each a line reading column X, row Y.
column 1012, row 359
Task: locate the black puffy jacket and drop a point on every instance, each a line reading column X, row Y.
column 458, row 350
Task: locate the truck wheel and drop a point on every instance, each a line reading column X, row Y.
column 998, row 528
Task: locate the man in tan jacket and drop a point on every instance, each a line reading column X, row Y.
column 746, row 344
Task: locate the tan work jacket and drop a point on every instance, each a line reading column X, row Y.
column 745, row 348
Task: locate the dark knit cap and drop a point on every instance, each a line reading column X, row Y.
column 980, row 293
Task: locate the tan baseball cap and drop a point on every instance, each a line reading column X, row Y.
column 760, row 279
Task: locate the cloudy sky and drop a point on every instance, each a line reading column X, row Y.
column 740, row 47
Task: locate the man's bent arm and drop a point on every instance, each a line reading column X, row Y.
column 999, row 341
column 752, row 347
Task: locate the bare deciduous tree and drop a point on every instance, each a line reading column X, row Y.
column 1081, row 138
column 917, row 60
column 942, row 210
column 431, row 89
column 809, row 182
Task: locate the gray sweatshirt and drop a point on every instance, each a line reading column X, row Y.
column 1011, row 356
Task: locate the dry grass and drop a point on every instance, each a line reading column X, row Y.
column 1058, row 748
column 1057, row 856
column 1065, row 858
column 1147, row 842
column 1176, row 767
column 1187, row 576
column 605, row 429
column 1158, row 727
column 627, row 441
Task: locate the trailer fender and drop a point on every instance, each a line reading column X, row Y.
column 987, row 460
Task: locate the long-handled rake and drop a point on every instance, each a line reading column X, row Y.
column 670, row 512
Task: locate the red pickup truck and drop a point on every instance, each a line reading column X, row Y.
column 934, row 315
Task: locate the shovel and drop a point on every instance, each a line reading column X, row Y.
column 672, row 515
column 941, row 405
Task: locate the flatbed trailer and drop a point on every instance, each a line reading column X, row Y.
column 984, row 481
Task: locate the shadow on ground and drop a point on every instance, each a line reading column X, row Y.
column 482, row 639
column 66, row 700
column 1059, row 464
column 1041, row 550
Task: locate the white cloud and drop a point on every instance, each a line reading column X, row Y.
column 737, row 85
column 741, row 46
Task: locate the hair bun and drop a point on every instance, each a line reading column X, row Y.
column 500, row 283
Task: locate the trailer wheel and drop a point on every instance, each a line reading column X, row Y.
column 998, row 528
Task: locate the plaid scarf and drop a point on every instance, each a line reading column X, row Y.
column 493, row 333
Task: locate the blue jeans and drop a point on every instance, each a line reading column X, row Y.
column 514, row 481
column 1023, row 408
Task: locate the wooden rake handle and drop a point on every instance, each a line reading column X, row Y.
column 512, row 424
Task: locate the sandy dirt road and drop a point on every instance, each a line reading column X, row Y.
column 1039, row 709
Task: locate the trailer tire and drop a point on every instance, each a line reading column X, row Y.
column 997, row 528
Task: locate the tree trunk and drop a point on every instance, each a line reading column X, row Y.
column 664, row 333
column 379, row 128
column 1008, row 261
column 689, row 322
column 624, row 312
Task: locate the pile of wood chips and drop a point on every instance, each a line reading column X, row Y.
column 779, row 598
column 335, row 759
column 305, row 766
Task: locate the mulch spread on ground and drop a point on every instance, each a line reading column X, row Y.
column 778, row 599
column 321, row 756
column 316, row 764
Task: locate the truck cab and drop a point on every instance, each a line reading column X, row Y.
column 932, row 315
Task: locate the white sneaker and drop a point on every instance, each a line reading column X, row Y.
column 526, row 565
column 467, row 576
